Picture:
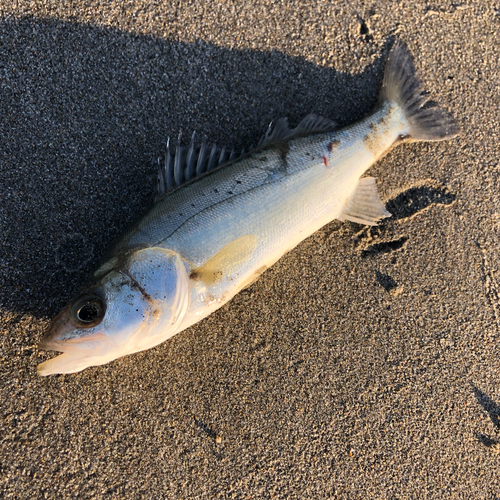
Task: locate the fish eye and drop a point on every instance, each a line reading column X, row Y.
column 88, row 310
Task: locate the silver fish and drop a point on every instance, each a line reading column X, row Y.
column 220, row 221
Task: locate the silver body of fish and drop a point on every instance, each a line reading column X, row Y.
column 213, row 231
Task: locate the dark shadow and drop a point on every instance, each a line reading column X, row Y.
column 385, row 281
column 489, row 406
column 402, row 206
column 84, row 114
column 384, row 247
column 415, row 199
column 207, row 430
column 486, row 440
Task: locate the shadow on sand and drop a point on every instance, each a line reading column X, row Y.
column 85, row 113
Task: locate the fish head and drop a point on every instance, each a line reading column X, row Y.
column 131, row 304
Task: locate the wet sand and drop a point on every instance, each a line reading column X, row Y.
column 364, row 364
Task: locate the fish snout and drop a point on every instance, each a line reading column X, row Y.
column 63, row 333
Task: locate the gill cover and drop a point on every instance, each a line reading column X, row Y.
column 132, row 307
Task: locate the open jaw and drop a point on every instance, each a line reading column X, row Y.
column 71, row 362
column 79, row 354
column 79, row 350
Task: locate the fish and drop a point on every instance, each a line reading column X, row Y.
column 220, row 219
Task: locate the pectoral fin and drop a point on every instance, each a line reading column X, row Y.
column 364, row 206
column 226, row 261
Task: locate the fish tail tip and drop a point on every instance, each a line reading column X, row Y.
column 402, row 86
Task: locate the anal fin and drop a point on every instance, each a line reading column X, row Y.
column 364, row 206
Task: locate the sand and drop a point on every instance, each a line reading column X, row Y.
column 364, row 364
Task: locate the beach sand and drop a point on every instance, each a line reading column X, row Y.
column 365, row 363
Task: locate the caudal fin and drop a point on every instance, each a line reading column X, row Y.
column 402, row 86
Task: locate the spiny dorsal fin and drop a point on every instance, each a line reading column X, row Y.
column 189, row 162
column 364, row 206
column 192, row 161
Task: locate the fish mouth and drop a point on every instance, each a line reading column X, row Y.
column 61, row 335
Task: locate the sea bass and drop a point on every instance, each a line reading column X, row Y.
column 220, row 221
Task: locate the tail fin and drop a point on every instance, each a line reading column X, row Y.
column 402, row 86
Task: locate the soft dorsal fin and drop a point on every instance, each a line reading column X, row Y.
column 311, row 124
column 189, row 162
column 364, row 206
